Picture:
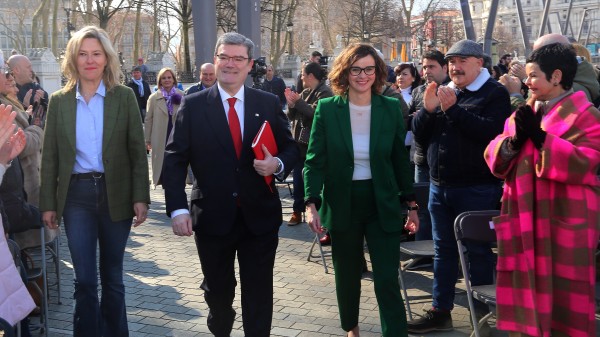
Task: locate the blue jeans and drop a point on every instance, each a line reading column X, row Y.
column 445, row 203
column 298, row 183
column 88, row 226
column 424, row 233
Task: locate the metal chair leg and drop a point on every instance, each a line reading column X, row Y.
column 317, row 241
column 45, row 281
column 405, row 294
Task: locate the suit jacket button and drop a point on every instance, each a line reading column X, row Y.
column 235, row 194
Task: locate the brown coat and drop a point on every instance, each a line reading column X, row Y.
column 301, row 115
column 30, row 158
column 155, row 129
column 31, row 155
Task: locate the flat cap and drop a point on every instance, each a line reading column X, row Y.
column 465, row 48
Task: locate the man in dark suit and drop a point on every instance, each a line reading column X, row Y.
column 141, row 89
column 233, row 210
column 207, row 79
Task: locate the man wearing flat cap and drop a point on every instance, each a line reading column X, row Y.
column 472, row 111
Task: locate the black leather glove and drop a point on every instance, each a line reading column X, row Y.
column 521, row 135
column 531, row 124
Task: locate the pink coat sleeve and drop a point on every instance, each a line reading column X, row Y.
column 574, row 157
column 499, row 165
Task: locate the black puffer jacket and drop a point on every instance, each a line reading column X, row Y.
column 458, row 137
column 420, row 156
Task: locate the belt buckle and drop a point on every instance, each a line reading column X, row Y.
column 96, row 177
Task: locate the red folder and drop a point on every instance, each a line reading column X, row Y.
column 265, row 137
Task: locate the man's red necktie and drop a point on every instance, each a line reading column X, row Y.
column 234, row 127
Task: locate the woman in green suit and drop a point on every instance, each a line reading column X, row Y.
column 94, row 175
column 357, row 179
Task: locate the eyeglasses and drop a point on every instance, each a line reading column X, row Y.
column 355, row 71
column 236, row 59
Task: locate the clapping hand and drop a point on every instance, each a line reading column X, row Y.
column 291, row 97
column 521, row 135
column 512, row 83
column 430, row 98
column 528, row 123
column 11, row 148
column 447, row 97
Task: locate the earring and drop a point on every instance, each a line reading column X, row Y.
column 555, row 84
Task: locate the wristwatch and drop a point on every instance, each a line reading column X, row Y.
column 279, row 165
column 413, row 208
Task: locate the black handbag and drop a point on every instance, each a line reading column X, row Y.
column 304, row 136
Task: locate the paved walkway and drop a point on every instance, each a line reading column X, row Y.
column 162, row 279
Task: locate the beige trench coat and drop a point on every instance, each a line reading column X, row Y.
column 155, row 129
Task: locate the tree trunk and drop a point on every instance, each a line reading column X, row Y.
column 136, row 32
column 55, row 28
column 89, row 17
column 155, row 29
column 185, row 29
column 45, row 17
column 35, row 28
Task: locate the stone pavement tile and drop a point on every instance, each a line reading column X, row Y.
column 163, row 276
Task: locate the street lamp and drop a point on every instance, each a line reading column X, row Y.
column 365, row 36
column 67, row 8
column 290, row 30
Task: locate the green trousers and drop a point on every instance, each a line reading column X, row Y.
column 384, row 249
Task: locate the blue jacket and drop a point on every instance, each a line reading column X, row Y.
column 458, row 137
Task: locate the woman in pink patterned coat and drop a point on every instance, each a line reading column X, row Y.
column 549, row 226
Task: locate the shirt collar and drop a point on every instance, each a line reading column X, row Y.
column 224, row 95
column 483, row 76
column 548, row 105
column 101, row 90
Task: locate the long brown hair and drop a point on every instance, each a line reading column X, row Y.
column 338, row 76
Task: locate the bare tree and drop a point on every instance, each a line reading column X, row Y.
column 183, row 11
column 226, row 15
column 368, row 19
column 14, row 25
column 38, row 16
column 55, row 28
column 278, row 13
column 323, row 8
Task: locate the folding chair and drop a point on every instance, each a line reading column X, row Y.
column 416, row 249
column 424, row 248
column 29, row 242
column 476, row 226
column 32, row 274
column 322, row 255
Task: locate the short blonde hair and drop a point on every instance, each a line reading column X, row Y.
column 112, row 71
column 338, row 77
column 162, row 72
column 580, row 50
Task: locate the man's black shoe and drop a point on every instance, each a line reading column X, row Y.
column 433, row 320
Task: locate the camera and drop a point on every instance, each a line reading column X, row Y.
column 323, row 61
column 259, row 69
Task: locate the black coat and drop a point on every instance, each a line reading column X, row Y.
column 458, row 137
column 201, row 138
column 17, row 214
column 142, row 100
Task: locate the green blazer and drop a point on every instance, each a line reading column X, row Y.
column 330, row 162
column 123, row 152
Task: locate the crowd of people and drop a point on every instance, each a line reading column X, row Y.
column 523, row 138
